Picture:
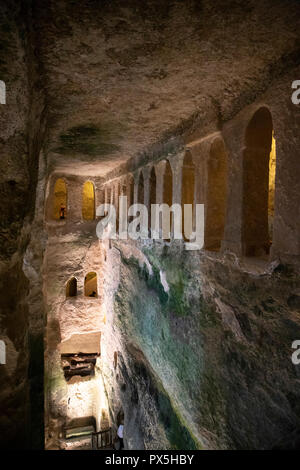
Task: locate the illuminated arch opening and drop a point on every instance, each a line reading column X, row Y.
column 188, row 191
column 90, row 285
column 259, row 169
column 88, row 201
column 216, row 196
column 71, row 288
column 60, row 200
column 271, row 188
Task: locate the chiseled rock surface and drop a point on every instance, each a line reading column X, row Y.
column 121, row 77
column 17, row 193
column 207, row 364
column 74, row 325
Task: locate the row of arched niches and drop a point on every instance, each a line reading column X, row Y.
column 259, row 169
column 90, row 286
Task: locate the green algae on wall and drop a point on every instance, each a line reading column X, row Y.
column 145, row 314
column 55, row 382
column 176, row 434
column 180, row 437
column 174, row 301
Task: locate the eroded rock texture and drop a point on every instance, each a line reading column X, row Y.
column 219, row 342
column 192, row 348
column 21, row 129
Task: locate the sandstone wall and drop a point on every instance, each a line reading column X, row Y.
column 22, row 130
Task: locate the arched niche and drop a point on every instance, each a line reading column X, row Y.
column 140, row 193
column 88, row 201
column 152, row 192
column 101, row 196
column 216, row 195
column 168, row 191
column 130, row 190
column 168, row 185
column 188, row 192
column 60, row 200
column 123, row 187
column 71, row 287
column 117, row 190
column 90, row 285
column 107, row 195
column 259, row 169
column 130, row 193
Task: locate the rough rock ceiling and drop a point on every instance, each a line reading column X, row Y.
column 119, row 75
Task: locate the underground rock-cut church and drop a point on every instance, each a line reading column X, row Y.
column 188, row 111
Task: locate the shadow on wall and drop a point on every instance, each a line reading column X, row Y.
column 60, row 200
column 90, row 285
column 216, row 196
column 259, row 184
column 141, row 428
column 88, row 201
